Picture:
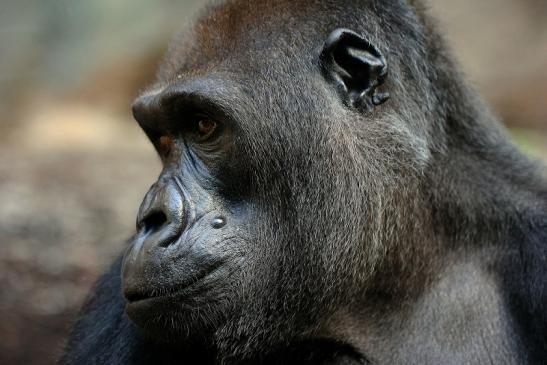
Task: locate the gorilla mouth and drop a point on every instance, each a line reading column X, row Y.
column 135, row 295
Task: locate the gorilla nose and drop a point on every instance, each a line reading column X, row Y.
column 161, row 215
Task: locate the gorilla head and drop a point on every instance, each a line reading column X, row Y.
column 311, row 156
column 287, row 181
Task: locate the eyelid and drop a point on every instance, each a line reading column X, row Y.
column 167, row 109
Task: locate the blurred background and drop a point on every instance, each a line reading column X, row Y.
column 74, row 166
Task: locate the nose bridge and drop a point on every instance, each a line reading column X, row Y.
column 162, row 209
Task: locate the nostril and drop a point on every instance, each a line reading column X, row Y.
column 154, row 221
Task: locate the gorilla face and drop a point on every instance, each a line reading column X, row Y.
column 186, row 259
column 231, row 226
column 279, row 176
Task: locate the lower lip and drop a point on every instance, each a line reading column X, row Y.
column 162, row 302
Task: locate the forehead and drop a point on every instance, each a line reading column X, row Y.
column 241, row 36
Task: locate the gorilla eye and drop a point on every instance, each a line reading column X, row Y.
column 205, row 128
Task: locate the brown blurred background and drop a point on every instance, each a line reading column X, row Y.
column 74, row 166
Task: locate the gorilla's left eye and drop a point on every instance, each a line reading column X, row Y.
column 205, row 129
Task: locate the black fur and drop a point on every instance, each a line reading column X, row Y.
column 411, row 232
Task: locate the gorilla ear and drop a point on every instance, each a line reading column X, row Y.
column 355, row 67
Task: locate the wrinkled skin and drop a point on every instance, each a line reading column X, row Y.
column 332, row 193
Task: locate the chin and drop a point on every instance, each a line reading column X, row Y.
column 187, row 316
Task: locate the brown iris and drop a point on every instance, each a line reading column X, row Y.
column 206, row 128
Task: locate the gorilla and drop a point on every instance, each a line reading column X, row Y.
column 332, row 192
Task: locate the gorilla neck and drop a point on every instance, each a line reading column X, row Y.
column 462, row 318
column 476, row 303
column 490, row 212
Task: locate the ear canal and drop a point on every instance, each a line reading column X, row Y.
column 356, row 68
